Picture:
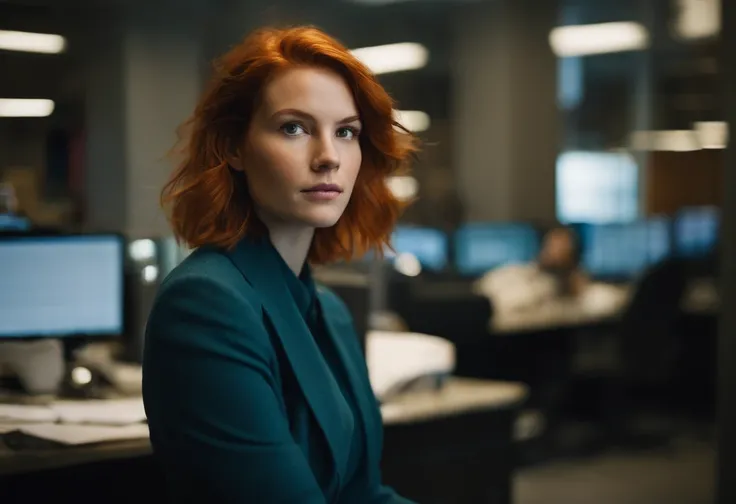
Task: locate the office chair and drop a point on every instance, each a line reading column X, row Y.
column 448, row 309
column 649, row 349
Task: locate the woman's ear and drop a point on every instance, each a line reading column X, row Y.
column 235, row 161
column 236, row 157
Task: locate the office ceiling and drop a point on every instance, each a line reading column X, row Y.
column 684, row 76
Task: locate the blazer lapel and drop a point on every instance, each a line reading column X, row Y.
column 352, row 359
column 257, row 261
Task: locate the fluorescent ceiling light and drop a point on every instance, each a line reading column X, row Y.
column 404, row 188
column 11, row 107
column 413, row 120
column 582, row 40
column 32, row 42
column 712, row 134
column 393, row 57
column 668, row 140
column 697, row 19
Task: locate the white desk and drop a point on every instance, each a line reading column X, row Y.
column 602, row 304
column 458, row 396
column 701, row 298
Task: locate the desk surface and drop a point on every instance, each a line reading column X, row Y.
column 25, row 461
column 701, row 298
column 556, row 313
column 458, row 397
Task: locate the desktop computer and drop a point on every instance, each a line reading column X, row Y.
column 14, row 223
column 428, row 245
column 58, row 287
column 427, row 248
column 480, row 248
column 696, row 231
column 622, row 251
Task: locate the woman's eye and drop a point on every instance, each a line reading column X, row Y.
column 292, row 129
column 347, row 133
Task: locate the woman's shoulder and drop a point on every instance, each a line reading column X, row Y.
column 205, row 302
column 206, row 271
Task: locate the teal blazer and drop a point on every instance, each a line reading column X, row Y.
column 224, row 338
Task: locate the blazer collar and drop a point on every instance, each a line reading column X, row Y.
column 260, row 264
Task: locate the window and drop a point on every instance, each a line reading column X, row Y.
column 597, row 187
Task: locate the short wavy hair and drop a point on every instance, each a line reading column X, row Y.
column 208, row 202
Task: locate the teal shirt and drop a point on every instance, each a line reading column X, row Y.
column 255, row 386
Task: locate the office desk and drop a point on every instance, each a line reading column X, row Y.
column 459, row 438
column 48, row 459
column 111, row 473
column 700, row 298
column 602, row 305
column 553, row 314
column 453, row 446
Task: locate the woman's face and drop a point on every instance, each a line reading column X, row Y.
column 301, row 155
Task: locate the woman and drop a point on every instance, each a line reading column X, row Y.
column 254, row 383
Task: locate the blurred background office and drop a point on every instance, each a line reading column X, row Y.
column 544, row 328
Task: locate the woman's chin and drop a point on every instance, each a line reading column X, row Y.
column 324, row 223
column 321, row 216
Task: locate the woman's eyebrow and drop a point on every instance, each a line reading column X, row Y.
column 309, row 117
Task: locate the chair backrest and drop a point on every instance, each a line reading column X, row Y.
column 448, row 309
column 650, row 339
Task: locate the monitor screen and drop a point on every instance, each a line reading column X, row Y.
column 482, row 247
column 625, row 250
column 428, row 245
column 696, row 231
column 10, row 222
column 55, row 286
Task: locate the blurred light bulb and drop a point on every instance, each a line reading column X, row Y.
column 393, row 57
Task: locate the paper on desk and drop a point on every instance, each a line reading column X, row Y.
column 84, row 434
column 10, row 413
column 395, row 358
column 101, row 412
column 10, row 427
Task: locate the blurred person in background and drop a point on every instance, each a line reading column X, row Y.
column 556, row 273
column 254, row 383
column 559, row 257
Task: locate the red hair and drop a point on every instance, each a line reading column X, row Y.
column 209, row 202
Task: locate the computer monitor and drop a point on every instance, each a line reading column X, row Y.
column 625, row 250
column 483, row 247
column 696, row 231
column 63, row 285
column 428, row 245
column 14, row 223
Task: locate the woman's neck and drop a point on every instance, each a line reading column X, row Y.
column 292, row 243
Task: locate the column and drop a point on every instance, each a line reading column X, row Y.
column 144, row 76
column 504, row 112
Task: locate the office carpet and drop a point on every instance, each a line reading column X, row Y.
column 683, row 474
